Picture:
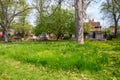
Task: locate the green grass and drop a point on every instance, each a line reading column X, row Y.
column 60, row 60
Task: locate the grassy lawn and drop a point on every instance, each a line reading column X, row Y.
column 60, row 60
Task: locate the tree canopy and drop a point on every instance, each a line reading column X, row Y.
column 110, row 9
column 9, row 9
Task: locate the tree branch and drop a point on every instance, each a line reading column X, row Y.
column 86, row 6
column 59, row 3
column 117, row 2
column 16, row 14
column 118, row 17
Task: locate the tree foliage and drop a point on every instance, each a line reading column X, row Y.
column 9, row 9
column 61, row 22
column 109, row 8
column 23, row 30
column 87, row 27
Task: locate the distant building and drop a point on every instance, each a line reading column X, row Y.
column 96, row 25
column 96, row 33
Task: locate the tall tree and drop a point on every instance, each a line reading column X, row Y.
column 79, row 21
column 81, row 7
column 110, row 9
column 9, row 9
column 59, row 23
column 21, row 25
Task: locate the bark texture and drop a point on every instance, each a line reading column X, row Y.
column 79, row 22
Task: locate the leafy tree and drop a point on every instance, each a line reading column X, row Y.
column 81, row 7
column 9, row 9
column 21, row 25
column 87, row 27
column 117, row 2
column 22, row 30
column 41, row 27
column 109, row 8
column 59, row 23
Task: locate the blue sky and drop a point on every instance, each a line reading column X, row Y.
column 93, row 12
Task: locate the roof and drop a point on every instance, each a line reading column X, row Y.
column 95, row 24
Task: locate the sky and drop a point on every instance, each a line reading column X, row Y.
column 93, row 12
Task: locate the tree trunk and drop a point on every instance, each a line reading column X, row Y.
column 5, row 33
column 79, row 22
column 57, row 36
column 116, row 25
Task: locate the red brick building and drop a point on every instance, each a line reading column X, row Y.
column 96, row 33
column 96, row 25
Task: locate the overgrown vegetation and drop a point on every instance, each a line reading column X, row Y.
column 60, row 60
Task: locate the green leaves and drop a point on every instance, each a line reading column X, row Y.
column 62, row 21
column 87, row 27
